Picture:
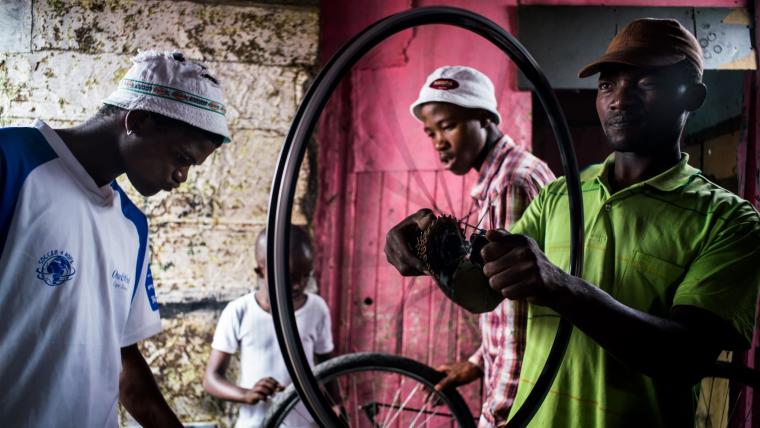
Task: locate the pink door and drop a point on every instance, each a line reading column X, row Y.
column 376, row 166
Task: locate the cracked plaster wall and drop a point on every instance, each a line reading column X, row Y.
column 60, row 59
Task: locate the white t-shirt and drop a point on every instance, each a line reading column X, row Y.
column 244, row 325
column 75, row 285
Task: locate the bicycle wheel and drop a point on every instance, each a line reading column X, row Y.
column 292, row 154
column 726, row 398
column 378, row 390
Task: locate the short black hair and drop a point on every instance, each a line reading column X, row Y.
column 490, row 115
column 299, row 235
column 107, row 110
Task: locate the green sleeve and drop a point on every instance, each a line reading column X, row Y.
column 531, row 223
column 724, row 277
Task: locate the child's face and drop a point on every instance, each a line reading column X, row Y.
column 300, row 270
column 301, row 265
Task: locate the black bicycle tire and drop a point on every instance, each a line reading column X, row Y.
column 291, row 156
column 735, row 373
column 738, row 377
column 361, row 361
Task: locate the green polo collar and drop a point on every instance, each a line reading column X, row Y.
column 677, row 176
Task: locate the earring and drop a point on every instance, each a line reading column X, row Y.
column 129, row 131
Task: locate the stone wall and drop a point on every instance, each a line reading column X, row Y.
column 59, row 59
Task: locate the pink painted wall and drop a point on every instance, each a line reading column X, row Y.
column 377, row 166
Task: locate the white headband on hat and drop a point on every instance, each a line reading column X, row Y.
column 168, row 84
column 460, row 85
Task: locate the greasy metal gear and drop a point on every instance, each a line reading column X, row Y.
column 456, row 265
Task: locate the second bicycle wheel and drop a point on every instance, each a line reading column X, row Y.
column 726, row 397
column 377, row 390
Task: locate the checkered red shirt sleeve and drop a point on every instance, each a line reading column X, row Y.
column 510, row 180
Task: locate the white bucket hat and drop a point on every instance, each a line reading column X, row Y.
column 460, row 85
column 168, row 84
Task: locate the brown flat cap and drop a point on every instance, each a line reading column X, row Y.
column 649, row 42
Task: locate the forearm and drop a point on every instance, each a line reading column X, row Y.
column 653, row 345
column 477, row 358
column 218, row 386
column 139, row 393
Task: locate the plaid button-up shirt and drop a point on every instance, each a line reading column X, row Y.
column 510, row 178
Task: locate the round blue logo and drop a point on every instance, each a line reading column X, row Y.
column 55, row 267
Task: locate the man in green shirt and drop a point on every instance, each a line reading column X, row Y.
column 671, row 261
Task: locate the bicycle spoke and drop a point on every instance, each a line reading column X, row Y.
column 724, row 408
column 299, row 413
column 374, row 394
column 398, row 412
column 389, row 393
column 746, row 418
column 395, row 398
column 736, row 406
column 420, row 412
column 355, row 401
column 429, row 414
column 726, row 404
column 709, row 402
column 701, row 399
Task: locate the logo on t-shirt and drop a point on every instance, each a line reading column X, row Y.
column 120, row 280
column 55, row 267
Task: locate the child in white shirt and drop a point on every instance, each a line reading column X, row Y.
column 246, row 324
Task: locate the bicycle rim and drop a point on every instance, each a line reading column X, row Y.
column 378, row 391
column 726, row 398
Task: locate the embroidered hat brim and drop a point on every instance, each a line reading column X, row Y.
column 459, row 85
column 167, row 84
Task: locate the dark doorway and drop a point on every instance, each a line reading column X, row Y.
column 588, row 138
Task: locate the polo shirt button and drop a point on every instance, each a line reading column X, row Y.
column 607, row 207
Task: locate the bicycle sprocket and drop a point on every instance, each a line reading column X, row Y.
column 456, row 265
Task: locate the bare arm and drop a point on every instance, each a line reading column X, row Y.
column 458, row 374
column 216, row 383
column 680, row 346
column 139, row 393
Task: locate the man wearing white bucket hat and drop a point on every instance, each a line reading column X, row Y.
column 76, row 291
column 457, row 106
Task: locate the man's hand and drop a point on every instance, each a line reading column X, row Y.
column 400, row 242
column 518, row 269
column 458, row 374
column 263, row 389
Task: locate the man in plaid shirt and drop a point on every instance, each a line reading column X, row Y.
column 457, row 106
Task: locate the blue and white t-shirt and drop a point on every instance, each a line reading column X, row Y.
column 75, row 285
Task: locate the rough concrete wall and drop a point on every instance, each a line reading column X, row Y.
column 60, row 59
